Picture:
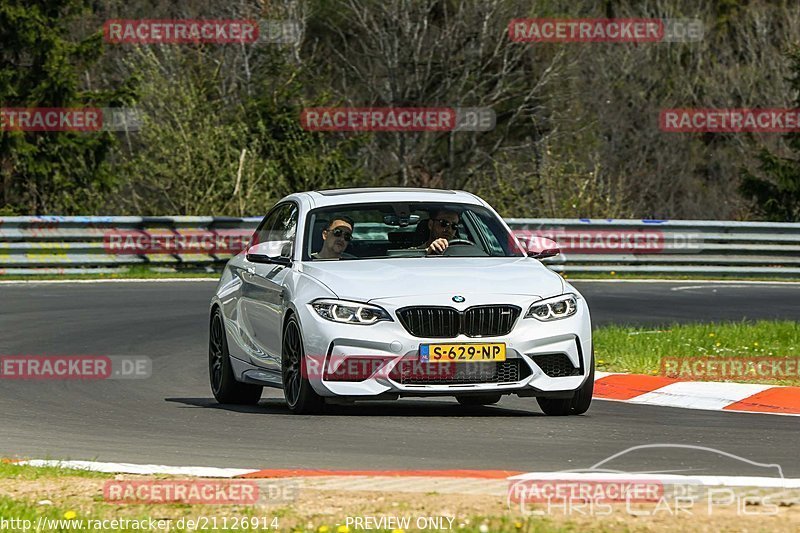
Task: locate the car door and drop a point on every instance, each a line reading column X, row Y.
column 263, row 288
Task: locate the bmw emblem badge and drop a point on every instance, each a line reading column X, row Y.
column 458, row 299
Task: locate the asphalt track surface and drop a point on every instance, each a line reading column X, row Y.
column 172, row 419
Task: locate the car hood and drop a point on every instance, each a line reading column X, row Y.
column 371, row 279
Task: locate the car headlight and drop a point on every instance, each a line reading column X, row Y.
column 350, row 312
column 554, row 308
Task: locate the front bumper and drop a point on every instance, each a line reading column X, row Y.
column 566, row 343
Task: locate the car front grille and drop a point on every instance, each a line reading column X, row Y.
column 410, row 372
column 556, row 365
column 446, row 322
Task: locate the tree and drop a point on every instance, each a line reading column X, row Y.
column 776, row 193
column 439, row 53
column 41, row 63
column 221, row 132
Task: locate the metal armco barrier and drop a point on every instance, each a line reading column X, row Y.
column 65, row 245
column 73, row 245
column 707, row 247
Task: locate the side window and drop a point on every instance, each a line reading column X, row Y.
column 285, row 229
column 495, row 247
column 279, row 225
column 262, row 232
column 286, row 225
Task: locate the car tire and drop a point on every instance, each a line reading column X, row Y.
column 300, row 396
column 478, row 399
column 577, row 405
column 220, row 372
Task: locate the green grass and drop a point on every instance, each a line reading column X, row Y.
column 641, row 350
column 134, row 272
column 54, row 518
column 59, row 519
column 494, row 524
column 677, row 277
column 66, row 507
column 64, row 517
column 10, row 470
column 147, row 272
column 67, row 520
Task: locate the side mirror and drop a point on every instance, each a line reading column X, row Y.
column 273, row 252
column 541, row 247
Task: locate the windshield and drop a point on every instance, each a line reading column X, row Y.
column 391, row 230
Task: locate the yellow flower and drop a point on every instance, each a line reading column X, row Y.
column 613, row 273
column 398, row 531
column 755, row 344
column 342, row 529
column 600, row 362
column 323, row 529
column 518, row 525
column 69, row 515
column 717, row 344
column 711, row 335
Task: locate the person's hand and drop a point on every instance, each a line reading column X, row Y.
column 438, row 246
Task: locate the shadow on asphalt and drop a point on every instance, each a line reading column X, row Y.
column 402, row 408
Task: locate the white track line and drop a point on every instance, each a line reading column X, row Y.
column 201, row 471
column 128, row 468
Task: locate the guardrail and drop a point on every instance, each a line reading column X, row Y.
column 76, row 245
column 65, row 245
column 709, row 247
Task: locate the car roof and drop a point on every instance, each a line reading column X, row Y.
column 331, row 197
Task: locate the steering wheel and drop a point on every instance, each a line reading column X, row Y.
column 459, row 249
column 460, row 241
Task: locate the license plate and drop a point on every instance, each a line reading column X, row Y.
column 461, row 353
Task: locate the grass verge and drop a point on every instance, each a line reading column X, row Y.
column 69, row 500
column 612, row 275
column 12, row 470
column 62, row 500
column 146, row 272
column 134, row 272
column 642, row 350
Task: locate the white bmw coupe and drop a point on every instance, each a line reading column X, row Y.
column 373, row 294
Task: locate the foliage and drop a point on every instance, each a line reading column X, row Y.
column 577, row 130
column 777, row 191
column 41, row 64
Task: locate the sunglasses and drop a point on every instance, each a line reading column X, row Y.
column 447, row 224
column 339, row 232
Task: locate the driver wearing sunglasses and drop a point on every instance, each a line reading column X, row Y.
column 335, row 238
column 443, row 226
